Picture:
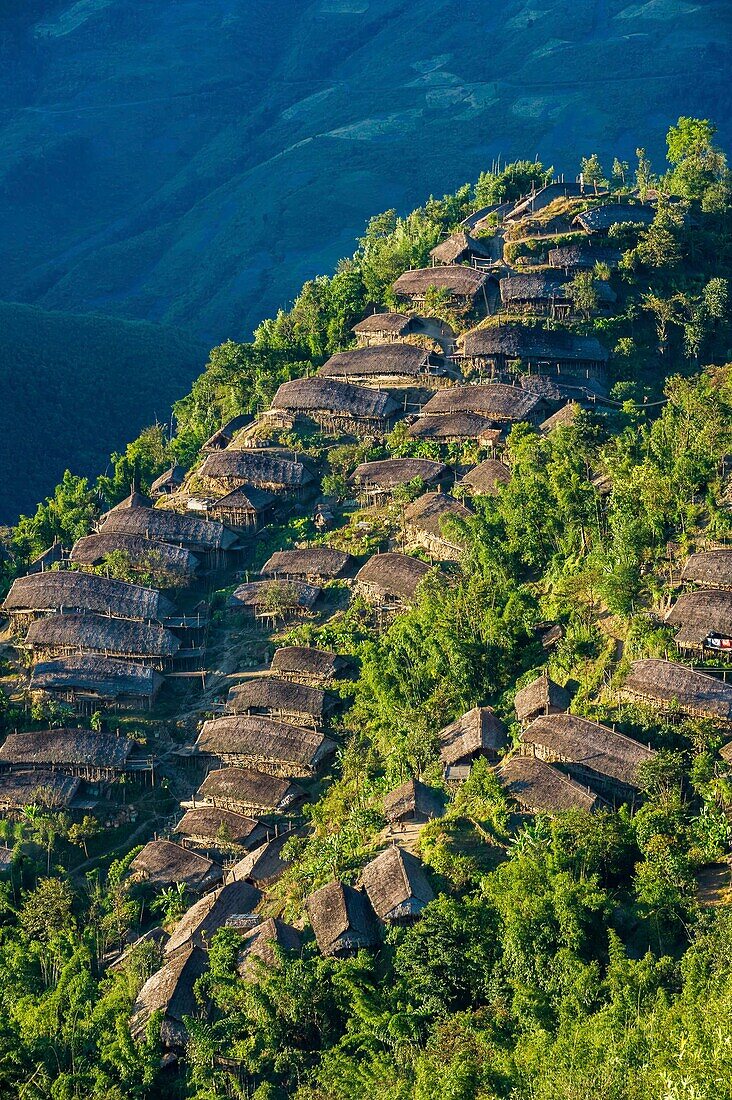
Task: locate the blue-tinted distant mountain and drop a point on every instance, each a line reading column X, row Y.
column 192, row 162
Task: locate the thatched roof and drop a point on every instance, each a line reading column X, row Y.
column 477, row 731
column 412, row 798
column 458, row 247
column 171, row 479
column 396, row 885
column 465, row 282
column 495, row 400
column 245, row 498
column 100, row 634
column 376, row 361
column 710, row 568
column 37, row 785
column 264, row 865
column 541, row 789
column 428, row 512
column 589, row 745
column 256, row 468
column 530, row 342
column 66, row 747
column 221, row 826
column 140, row 552
column 601, row 218
column 271, row 693
column 331, row 396
column 562, row 417
column 540, row 695
column 341, row 919
column 397, row 323
column 223, row 436
column 170, row 990
column 106, row 677
column 308, row 662
column 162, row 863
column 389, row 473
column 486, row 478
column 533, row 286
column 263, row 739
column 259, row 594
column 394, row 574
column 135, row 499
column 583, row 255
column 168, row 526
column 701, row 614
column 211, row 912
column 668, row 682
column 70, row 590
column 315, row 561
column 252, row 788
column 459, row 425
column 259, row 945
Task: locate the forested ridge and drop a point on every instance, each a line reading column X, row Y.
column 564, row 954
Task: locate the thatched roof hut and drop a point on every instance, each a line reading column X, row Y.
column 387, row 578
column 486, row 478
column 141, row 553
column 136, row 499
column 427, row 522
column 535, row 348
column 541, row 696
column 97, row 679
column 582, row 256
column 275, row 598
column 36, row 786
column 547, row 292
column 170, row 991
column 341, row 919
column 412, row 801
column 314, row 563
column 224, row 435
column 562, row 418
column 162, row 863
column 201, row 536
column 169, row 481
column 69, row 750
column 601, row 218
column 277, row 748
column 465, row 285
column 456, row 427
column 260, row 945
column 336, row 405
column 704, row 620
column 60, row 635
column 210, row 826
column 212, row 912
column 383, row 326
column 244, row 508
column 263, row 866
column 709, row 569
column 396, row 886
column 249, row 792
column 69, row 590
column 270, row 695
column 675, row 687
column 538, row 788
column 307, row 665
column 496, row 401
column 591, row 753
column 479, row 732
column 380, row 478
column 235, row 469
column 384, row 365
column 459, row 248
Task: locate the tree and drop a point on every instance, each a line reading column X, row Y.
column 592, row 172
column 620, row 171
column 698, row 163
column 81, row 832
column 643, row 174
column 583, row 292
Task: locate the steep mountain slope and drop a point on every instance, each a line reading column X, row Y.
column 191, row 163
column 77, row 387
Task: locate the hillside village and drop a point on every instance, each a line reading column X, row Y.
column 226, row 678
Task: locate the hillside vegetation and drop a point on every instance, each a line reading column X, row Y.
column 564, row 954
column 75, row 386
